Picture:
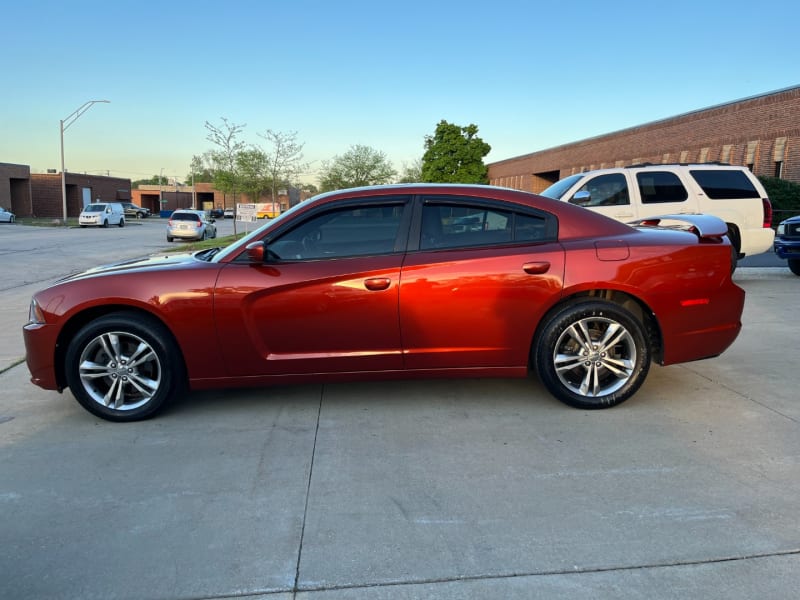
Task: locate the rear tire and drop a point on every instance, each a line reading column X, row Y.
column 592, row 354
column 794, row 265
column 122, row 222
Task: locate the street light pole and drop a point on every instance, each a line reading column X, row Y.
column 63, row 125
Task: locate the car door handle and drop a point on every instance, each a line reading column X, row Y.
column 536, row 268
column 377, row 283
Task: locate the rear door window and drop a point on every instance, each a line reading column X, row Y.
column 657, row 187
column 724, row 184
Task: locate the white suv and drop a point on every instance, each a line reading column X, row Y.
column 640, row 191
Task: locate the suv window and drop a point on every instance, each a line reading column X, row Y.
column 660, row 186
column 604, row 190
column 453, row 225
column 345, row 232
column 721, row 184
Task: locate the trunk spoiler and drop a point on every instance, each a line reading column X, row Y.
column 706, row 227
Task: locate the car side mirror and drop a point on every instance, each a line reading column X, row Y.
column 256, row 252
column 581, row 198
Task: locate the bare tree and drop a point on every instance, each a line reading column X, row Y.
column 284, row 158
column 225, row 138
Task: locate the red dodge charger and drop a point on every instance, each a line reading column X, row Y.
column 390, row 282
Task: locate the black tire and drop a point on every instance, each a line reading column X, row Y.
column 204, row 237
column 600, row 376
column 794, row 265
column 127, row 355
column 105, row 223
column 122, row 222
column 139, row 215
column 169, row 239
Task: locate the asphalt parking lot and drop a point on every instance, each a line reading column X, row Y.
column 428, row 489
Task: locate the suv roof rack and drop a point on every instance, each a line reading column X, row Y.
column 678, row 164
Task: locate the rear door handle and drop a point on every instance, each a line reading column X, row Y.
column 377, row 283
column 536, row 268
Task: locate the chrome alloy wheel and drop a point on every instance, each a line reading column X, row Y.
column 120, row 370
column 595, row 356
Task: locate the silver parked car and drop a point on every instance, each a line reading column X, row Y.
column 187, row 224
column 6, row 216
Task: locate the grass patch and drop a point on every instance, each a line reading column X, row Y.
column 219, row 242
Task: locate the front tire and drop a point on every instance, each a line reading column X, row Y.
column 592, row 355
column 124, row 367
column 794, row 265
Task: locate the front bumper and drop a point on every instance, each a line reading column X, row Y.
column 787, row 249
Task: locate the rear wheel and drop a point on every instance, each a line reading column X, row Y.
column 794, row 265
column 124, row 367
column 122, row 222
column 592, row 354
column 169, row 239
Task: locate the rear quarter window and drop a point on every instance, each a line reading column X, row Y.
column 660, row 186
column 723, row 184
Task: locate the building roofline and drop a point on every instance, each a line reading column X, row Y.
column 650, row 123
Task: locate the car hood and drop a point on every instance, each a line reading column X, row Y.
column 159, row 262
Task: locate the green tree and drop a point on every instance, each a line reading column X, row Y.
column 201, row 169
column 154, row 180
column 359, row 166
column 252, row 173
column 454, row 154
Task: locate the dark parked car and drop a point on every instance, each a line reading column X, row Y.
column 787, row 243
column 386, row 282
column 137, row 212
column 217, row 213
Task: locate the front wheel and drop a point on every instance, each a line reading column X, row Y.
column 794, row 265
column 121, row 223
column 592, row 355
column 124, row 367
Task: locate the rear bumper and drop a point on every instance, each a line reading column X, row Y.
column 757, row 241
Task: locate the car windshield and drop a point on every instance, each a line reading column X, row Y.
column 559, row 188
column 95, row 208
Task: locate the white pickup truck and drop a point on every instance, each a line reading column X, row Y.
column 627, row 194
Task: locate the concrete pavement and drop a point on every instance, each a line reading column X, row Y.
column 429, row 489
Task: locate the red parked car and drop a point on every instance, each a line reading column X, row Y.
column 389, row 282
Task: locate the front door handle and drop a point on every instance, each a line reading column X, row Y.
column 377, row 284
column 536, row 268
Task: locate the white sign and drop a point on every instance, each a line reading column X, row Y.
column 246, row 213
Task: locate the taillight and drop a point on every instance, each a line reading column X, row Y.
column 767, row 212
column 199, row 224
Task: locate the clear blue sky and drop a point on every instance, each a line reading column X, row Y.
column 530, row 75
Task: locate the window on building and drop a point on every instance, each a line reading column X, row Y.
column 779, row 169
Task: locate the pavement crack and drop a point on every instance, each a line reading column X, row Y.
column 295, row 587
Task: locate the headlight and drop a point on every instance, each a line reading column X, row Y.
column 35, row 314
column 781, row 229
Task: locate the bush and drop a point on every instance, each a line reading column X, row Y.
column 784, row 195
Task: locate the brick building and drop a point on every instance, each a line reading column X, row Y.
column 15, row 188
column 762, row 132
column 204, row 196
column 39, row 195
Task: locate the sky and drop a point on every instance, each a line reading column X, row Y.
column 531, row 75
